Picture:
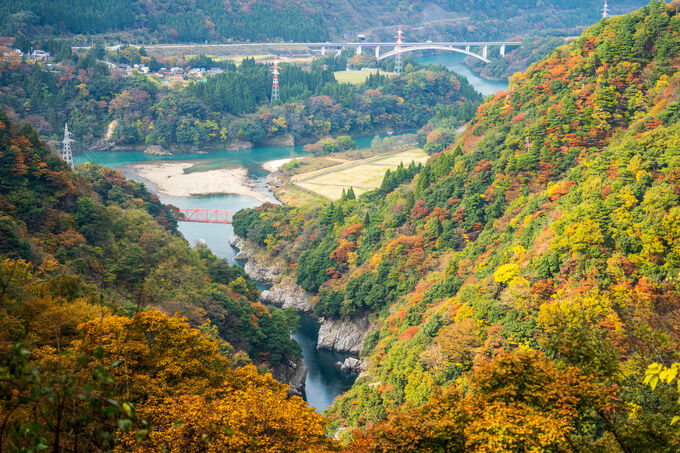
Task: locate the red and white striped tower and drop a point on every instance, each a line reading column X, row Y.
column 397, row 62
column 275, row 82
column 605, row 10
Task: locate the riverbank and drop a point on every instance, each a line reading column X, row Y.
column 274, row 165
column 171, row 179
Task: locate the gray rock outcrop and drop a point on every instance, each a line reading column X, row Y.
column 157, row 150
column 280, row 140
column 239, row 145
column 353, row 364
column 257, row 269
column 293, row 373
column 343, row 335
column 286, row 294
column 259, row 272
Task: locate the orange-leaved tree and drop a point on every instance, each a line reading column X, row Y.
column 517, row 402
column 253, row 414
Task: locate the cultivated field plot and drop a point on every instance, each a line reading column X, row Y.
column 361, row 175
column 353, row 77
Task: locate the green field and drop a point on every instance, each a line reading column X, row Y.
column 239, row 58
column 361, row 175
column 353, row 77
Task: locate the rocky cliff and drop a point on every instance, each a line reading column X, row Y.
column 335, row 334
column 343, row 335
column 258, row 266
column 293, row 373
column 286, row 294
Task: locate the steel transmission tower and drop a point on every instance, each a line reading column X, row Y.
column 66, row 154
column 397, row 62
column 605, row 10
column 275, row 82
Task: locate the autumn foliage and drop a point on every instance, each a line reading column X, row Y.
column 115, row 335
column 517, row 402
column 544, row 240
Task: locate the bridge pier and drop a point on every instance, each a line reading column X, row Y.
column 377, row 52
column 485, row 51
column 503, row 50
column 467, row 48
column 358, row 50
column 323, row 50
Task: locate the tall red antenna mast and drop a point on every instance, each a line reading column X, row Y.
column 275, row 81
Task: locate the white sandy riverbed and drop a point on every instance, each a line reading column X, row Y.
column 170, row 179
column 274, row 165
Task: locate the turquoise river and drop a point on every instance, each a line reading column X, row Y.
column 325, row 380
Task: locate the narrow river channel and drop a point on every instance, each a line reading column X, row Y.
column 325, row 380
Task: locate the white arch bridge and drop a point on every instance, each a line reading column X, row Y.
column 478, row 50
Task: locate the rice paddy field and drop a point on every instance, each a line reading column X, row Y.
column 362, row 175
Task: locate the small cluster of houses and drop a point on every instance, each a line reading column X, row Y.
column 193, row 72
column 174, row 71
column 134, row 68
column 11, row 57
column 41, row 56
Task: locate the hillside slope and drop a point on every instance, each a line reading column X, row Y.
column 300, row 20
column 114, row 333
column 522, row 282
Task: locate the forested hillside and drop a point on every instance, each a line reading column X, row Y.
column 523, row 281
column 300, row 20
column 223, row 109
column 114, row 332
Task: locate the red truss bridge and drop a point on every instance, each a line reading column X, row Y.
column 203, row 215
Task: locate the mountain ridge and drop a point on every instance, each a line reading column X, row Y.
column 302, row 20
column 548, row 227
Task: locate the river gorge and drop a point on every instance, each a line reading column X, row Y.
column 325, row 379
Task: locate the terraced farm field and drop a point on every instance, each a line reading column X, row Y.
column 361, row 175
